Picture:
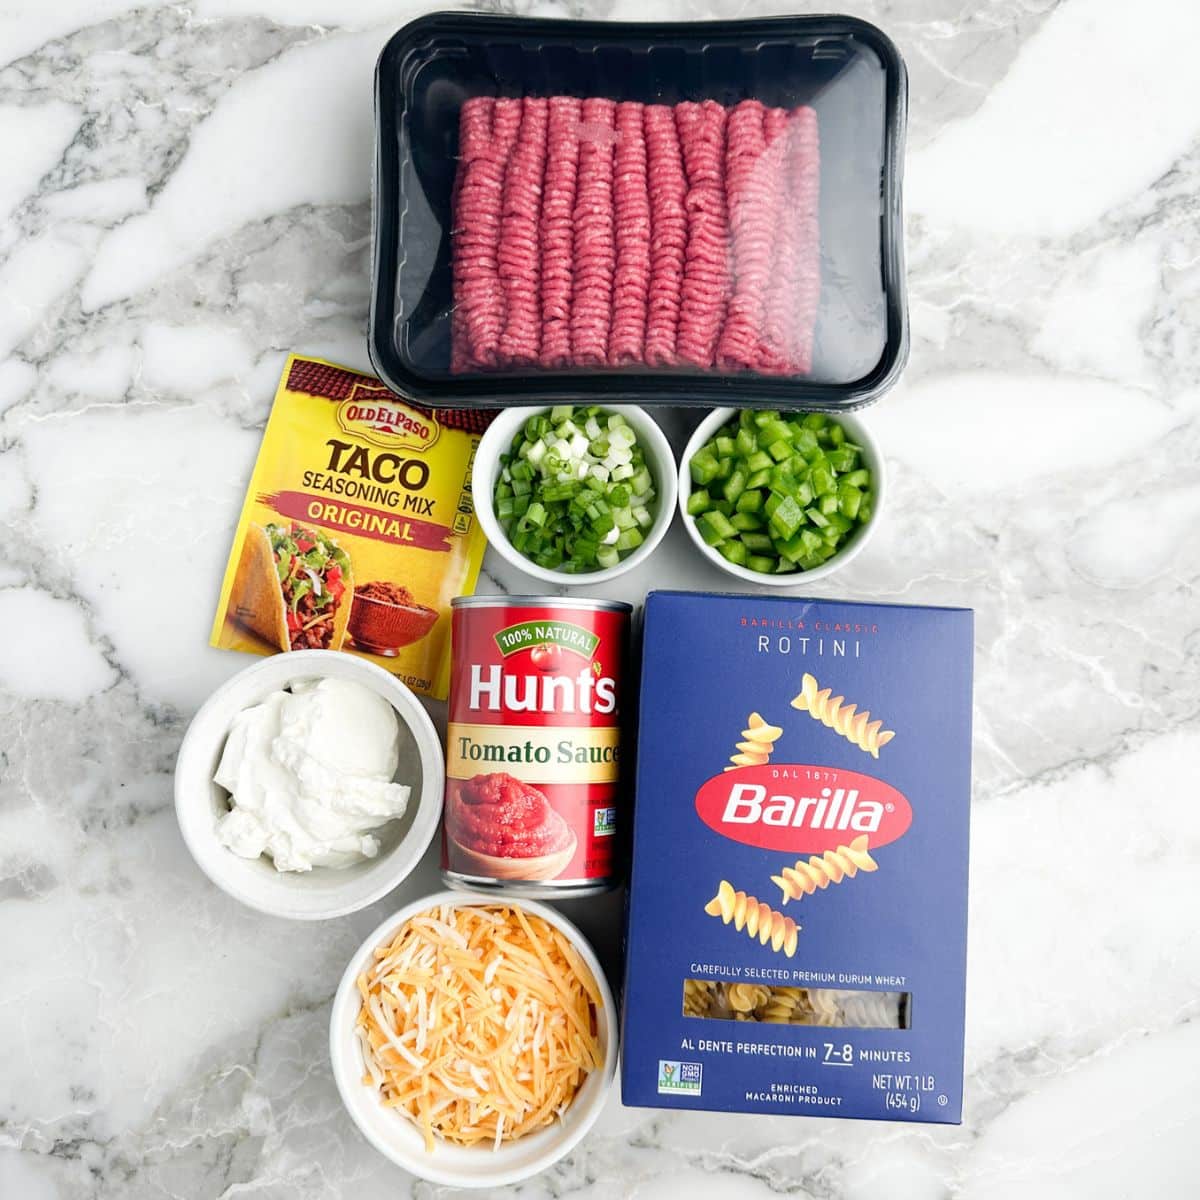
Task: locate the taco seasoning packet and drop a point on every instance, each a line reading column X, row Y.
column 357, row 529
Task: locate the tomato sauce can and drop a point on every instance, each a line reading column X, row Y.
column 533, row 745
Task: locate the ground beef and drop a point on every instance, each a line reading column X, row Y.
column 631, row 208
column 481, row 294
column 519, row 254
column 595, row 237
column 754, row 175
column 668, row 243
column 556, row 229
column 591, row 233
column 707, row 279
column 776, row 343
column 804, row 186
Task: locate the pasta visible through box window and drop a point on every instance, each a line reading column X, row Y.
column 845, row 719
column 698, row 996
column 478, row 1024
column 758, row 740
column 826, row 1010
column 785, row 1006
column 869, row 1010
column 747, row 997
column 820, row 870
column 782, row 1005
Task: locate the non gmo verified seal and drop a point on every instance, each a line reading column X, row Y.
column 676, row 1077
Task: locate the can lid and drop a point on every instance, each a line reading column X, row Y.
column 572, row 602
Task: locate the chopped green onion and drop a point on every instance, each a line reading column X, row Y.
column 574, row 492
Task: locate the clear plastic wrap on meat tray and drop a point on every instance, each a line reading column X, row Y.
column 672, row 213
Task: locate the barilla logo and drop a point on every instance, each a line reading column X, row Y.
column 378, row 416
column 799, row 807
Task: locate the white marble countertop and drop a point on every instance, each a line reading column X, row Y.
column 184, row 197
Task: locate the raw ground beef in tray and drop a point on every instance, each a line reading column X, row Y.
column 478, row 288
column 557, row 230
column 804, row 190
column 631, row 216
column 595, row 235
column 707, row 278
column 519, row 255
column 667, row 191
column 592, row 233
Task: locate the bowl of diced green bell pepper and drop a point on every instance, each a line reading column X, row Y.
column 574, row 494
column 780, row 498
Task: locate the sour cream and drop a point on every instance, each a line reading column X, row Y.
column 309, row 772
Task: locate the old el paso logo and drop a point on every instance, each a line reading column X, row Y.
column 381, row 418
column 796, row 807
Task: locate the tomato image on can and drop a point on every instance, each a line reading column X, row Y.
column 533, row 766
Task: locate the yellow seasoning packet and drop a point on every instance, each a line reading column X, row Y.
column 357, row 529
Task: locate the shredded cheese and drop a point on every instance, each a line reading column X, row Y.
column 502, row 1014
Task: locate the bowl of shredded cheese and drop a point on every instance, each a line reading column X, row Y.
column 474, row 1041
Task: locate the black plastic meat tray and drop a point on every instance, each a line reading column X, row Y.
column 847, row 70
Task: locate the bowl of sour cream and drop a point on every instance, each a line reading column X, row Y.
column 309, row 785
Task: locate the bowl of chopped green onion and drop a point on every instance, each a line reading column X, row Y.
column 574, row 493
column 780, row 498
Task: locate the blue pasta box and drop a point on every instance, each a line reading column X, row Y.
column 797, row 910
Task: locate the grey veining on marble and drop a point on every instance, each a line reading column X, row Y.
column 185, row 197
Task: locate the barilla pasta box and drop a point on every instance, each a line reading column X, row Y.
column 797, row 918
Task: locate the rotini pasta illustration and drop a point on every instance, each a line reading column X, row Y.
column 820, row 870
column 782, row 1005
column 833, row 711
column 756, row 918
column 758, row 740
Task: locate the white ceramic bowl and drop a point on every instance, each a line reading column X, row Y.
column 872, row 458
column 401, row 1141
column 324, row 891
column 496, row 441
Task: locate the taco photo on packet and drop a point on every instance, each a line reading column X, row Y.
column 358, row 527
column 293, row 587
